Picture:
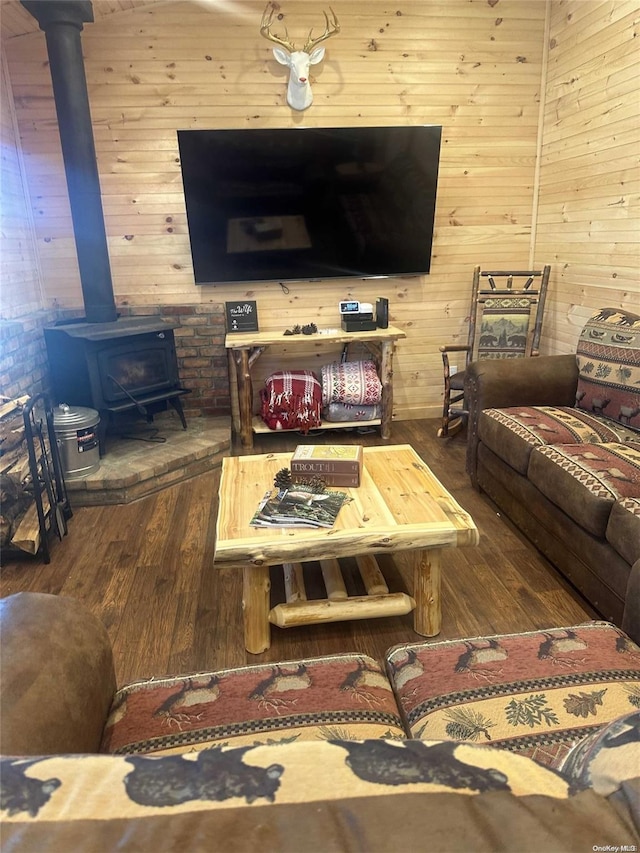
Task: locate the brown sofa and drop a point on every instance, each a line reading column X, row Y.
column 555, row 442
column 318, row 754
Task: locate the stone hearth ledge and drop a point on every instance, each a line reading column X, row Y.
column 132, row 469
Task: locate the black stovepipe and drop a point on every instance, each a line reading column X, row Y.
column 62, row 22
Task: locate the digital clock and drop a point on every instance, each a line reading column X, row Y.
column 351, row 306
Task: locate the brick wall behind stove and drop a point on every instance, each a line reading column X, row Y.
column 202, row 357
column 23, row 355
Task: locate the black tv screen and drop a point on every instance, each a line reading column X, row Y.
column 310, row 203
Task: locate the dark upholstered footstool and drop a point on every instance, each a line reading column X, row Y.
column 338, row 696
column 535, row 693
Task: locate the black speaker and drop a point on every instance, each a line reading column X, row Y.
column 382, row 313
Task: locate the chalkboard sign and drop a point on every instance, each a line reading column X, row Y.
column 241, row 316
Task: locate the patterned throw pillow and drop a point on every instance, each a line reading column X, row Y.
column 606, row 758
column 334, row 696
column 608, row 357
column 536, row 693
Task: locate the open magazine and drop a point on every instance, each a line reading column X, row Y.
column 298, row 506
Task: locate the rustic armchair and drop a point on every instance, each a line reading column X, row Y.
column 505, row 321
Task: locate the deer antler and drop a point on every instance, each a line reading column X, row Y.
column 328, row 32
column 267, row 20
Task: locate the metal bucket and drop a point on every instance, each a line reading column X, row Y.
column 76, row 432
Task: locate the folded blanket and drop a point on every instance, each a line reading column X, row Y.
column 291, row 400
column 347, row 412
column 353, row 382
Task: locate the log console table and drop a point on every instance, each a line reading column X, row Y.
column 245, row 348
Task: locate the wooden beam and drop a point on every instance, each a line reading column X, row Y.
column 356, row 607
column 333, row 580
column 371, row 575
column 294, row 582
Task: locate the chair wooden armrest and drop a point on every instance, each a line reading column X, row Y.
column 455, row 348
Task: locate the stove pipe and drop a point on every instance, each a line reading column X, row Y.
column 62, row 22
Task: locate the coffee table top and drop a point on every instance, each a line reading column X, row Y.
column 400, row 505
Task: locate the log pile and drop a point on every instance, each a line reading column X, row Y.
column 19, row 526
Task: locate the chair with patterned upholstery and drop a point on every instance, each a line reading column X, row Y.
column 505, row 321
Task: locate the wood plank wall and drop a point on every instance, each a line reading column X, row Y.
column 19, row 276
column 477, row 67
column 588, row 222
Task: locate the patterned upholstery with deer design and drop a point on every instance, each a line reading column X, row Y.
column 537, row 693
column 557, row 445
column 318, row 753
column 316, row 699
column 609, row 367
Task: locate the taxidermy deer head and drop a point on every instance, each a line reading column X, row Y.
column 299, row 94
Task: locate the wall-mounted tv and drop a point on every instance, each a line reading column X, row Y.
column 300, row 204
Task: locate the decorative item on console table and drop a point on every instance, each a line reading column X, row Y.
column 241, row 316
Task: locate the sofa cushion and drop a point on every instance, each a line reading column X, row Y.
column 606, row 758
column 585, row 480
column 318, row 698
column 108, row 802
column 535, row 693
column 512, row 433
column 316, row 808
column 608, row 357
column 623, row 528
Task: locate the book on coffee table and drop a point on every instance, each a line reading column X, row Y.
column 337, row 464
column 298, row 506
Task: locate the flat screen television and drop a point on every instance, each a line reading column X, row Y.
column 301, row 204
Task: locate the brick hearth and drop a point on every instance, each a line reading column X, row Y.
column 134, row 468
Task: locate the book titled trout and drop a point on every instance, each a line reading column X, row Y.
column 337, row 464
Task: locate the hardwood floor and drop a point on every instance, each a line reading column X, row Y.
column 146, row 569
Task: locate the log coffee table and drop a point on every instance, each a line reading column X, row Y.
column 399, row 506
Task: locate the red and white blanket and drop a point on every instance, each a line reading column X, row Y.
column 292, row 400
column 353, row 382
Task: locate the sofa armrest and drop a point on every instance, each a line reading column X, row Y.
column 631, row 616
column 57, row 677
column 549, row 380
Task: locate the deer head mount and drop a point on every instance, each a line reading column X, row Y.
column 299, row 94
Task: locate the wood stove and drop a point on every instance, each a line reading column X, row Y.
column 125, row 366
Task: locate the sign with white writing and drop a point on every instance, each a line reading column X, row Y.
column 241, row 316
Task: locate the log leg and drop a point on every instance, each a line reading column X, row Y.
column 233, row 391
column 427, row 616
column 386, row 378
column 294, row 587
column 255, row 607
column 245, row 400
